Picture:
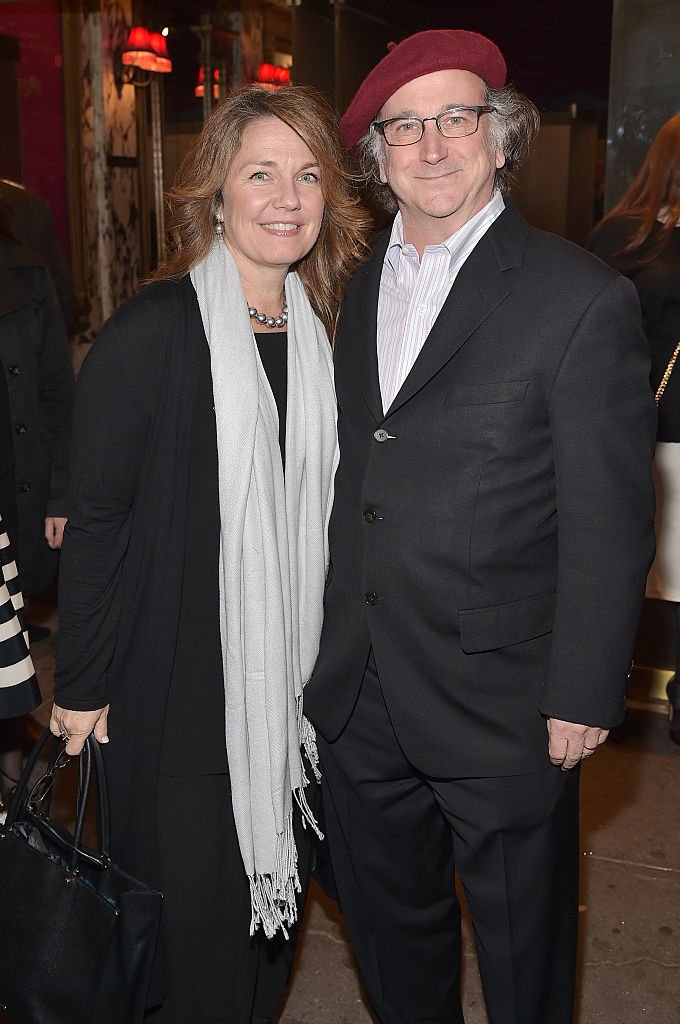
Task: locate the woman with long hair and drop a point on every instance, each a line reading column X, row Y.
column 640, row 237
column 195, row 557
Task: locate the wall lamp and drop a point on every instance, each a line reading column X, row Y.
column 143, row 54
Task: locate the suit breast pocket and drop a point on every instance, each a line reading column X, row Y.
column 496, row 393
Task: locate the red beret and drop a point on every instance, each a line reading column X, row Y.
column 420, row 54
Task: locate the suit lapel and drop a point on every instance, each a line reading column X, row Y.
column 481, row 286
column 365, row 308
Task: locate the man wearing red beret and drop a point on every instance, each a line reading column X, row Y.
column 490, row 539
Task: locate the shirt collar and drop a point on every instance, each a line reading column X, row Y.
column 454, row 243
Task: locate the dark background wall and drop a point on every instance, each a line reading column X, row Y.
column 32, row 143
column 557, row 52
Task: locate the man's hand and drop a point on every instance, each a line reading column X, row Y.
column 54, row 530
column 570, row 743
column 76, row 726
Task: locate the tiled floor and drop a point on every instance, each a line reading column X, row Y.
column 630, row 905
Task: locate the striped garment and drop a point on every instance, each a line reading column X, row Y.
column 413, row 291
column 19, row 691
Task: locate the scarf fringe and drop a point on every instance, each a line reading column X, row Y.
column 307, row 813
column 307, row 736
column 272, row 897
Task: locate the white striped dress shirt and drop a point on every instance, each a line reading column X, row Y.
column 413, row 291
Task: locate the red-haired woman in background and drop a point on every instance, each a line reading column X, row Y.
column 640, row 237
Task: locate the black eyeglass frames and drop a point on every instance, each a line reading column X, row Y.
column 454, row 123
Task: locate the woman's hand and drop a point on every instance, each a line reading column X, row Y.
column 54, row 530
column 76, row 726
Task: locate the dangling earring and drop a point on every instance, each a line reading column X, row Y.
column 219, row 225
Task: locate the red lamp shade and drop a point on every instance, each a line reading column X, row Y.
column 273, row 76
column 138, row 51
column 159, row 46
column 199, row 88
column 265, row 73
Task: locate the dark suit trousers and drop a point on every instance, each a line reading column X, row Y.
column 396, row 839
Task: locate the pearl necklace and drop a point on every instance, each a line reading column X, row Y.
column 270, row 321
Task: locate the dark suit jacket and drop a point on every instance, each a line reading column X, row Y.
column 492, row 533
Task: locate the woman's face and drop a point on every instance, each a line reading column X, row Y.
column 273, row 203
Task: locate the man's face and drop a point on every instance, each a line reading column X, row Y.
column 439, row 183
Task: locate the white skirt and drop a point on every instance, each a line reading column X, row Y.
column 663, row 581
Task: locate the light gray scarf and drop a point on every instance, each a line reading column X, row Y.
column 273, row 561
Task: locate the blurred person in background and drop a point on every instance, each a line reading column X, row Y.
column 195, row 556
column 30, row 219
column 38, row 380
column 19, row 692
column 640, row 237
column 35, row 358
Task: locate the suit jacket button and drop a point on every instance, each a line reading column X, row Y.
column 15, row 371
column 370, row 597
column 24, row 487
column 21, row 428
column 370, row 515
column 381, row 435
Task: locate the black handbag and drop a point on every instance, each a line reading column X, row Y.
column 77, row 933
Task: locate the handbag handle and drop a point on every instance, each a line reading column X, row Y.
column 20, row 805
column 103, row 813
column 667, row 374
column 21, row 795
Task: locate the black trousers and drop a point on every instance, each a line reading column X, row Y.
column 396, row 839
column 214, row 972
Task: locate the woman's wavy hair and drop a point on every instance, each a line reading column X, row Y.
column 196, row 196
column 655, row 190
column 513, row 126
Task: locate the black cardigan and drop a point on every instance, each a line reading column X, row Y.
column 119, row 587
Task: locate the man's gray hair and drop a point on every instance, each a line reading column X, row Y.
column 513, row 126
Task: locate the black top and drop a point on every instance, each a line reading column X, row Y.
column 658, row 284
column 193, row 737
column 273, row 349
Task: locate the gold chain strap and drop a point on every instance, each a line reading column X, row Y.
column 667, row 374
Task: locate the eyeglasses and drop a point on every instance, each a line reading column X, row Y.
column 454, row 123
